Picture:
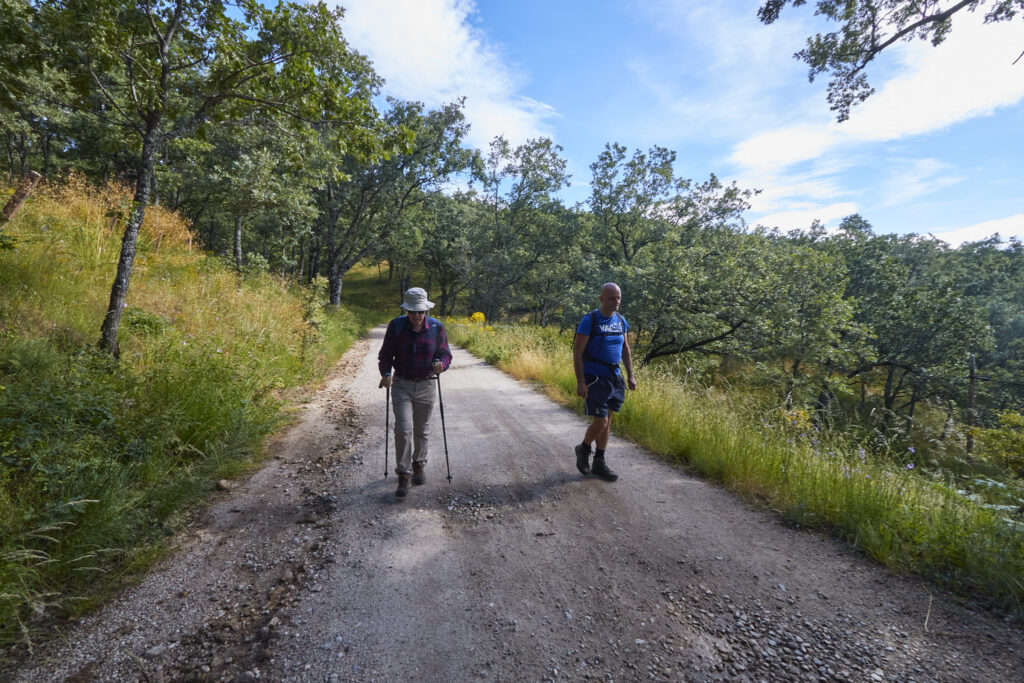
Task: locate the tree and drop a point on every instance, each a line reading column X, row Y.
column 447, row 245
column 160, row 70
column 699, row 292
column 517, row 229
column 923, row 326
column 806, row 323
column 362, row 201
column 630, row 200
column 868, row 28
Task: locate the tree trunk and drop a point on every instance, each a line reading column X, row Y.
column 334, row 284
column 20, row 195
column 889, row 397
column 154, row 194
column 46, row 154
column 915, row 396
column 314, row 260
column 119, row 290
column 238, row 242
column 948, row 424
column 823, row 406
column 971, row 415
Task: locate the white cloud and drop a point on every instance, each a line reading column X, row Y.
column 1011, row 226
column 785, row 146
column 801, row 218
column 915, row 179
column 971, row 74
column 803, row 165
column 429, row 50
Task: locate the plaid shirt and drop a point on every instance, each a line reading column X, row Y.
column 411, row 353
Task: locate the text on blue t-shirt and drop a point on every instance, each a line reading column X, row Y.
column 605, row 348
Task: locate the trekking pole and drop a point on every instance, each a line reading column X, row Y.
column 440, row 401
column 387, row 418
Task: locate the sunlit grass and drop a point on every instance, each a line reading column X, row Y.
column 908, row 522
column 100, row 460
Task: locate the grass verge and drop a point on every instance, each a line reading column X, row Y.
column 101, row 460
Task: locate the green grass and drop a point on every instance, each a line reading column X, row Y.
column 101, row 460
column 911, row 523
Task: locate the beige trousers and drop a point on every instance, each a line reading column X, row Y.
column 413, row 403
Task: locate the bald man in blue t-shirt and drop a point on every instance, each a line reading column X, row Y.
column 601, row 343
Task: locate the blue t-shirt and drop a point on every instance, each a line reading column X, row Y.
column 607, row 348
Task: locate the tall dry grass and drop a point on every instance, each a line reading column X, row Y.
column 101, row 459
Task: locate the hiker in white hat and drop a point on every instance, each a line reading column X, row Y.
column 415, row 351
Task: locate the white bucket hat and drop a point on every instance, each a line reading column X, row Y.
column 415, row 299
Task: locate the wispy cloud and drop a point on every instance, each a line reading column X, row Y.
column 717, row 71
column 968, row 76
column 430, row 50
column 916, row 178
column 802, row 218
column 975, row 63
column 1011, row 226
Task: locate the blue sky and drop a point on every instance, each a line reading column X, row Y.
column 937, row 150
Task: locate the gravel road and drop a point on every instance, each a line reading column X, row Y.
column 520, row 569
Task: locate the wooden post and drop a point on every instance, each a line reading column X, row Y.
column 22, row 193
column 970, row 403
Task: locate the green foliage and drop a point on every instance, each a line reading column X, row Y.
column 1005, row 444
column 365, row 203
column 139, row 321
column 516, row 230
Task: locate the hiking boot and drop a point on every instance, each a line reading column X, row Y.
column 418, row 475
column 403, row 485
column 583, row 458
column 602, row 470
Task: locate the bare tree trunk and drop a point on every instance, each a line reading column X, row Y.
column 334, row 285
column 119, row 290
column 46, row 154
column 238, row 242
column 314, row 260
column 971, row 416
column 153, row 193
column 19, row 196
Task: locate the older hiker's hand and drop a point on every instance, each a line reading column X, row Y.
column 385, row 381
column 438, row 367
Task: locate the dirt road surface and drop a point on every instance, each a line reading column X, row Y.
column 521, row 569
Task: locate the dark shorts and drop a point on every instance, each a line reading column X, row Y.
column 604, row 394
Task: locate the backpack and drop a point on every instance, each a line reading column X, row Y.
column 614, row 367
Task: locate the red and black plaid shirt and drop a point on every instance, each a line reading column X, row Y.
column 411, row 353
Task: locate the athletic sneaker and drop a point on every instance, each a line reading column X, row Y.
column 583, row 458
